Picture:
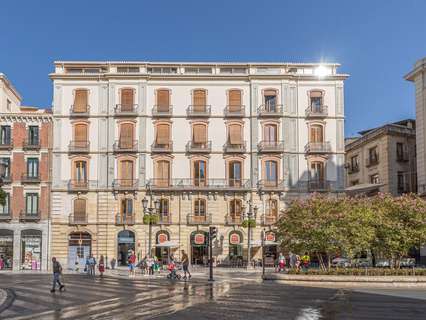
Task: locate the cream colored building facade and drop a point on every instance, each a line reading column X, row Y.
column 206, row 140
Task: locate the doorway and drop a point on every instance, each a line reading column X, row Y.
column 199, row 248
column 125, row 245
column 6, row 249
column 79, row 248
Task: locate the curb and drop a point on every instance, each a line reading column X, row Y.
column 7, row 299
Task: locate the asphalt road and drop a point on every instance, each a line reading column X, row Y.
column 234, row 296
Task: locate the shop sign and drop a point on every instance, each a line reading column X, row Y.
column 6, row 238
column 270, row 237
column 126, row 240
column 199, row 238
column 234, row 238
column 162, row 237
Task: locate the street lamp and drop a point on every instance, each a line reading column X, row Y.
column 150, row 212
column 249, row 216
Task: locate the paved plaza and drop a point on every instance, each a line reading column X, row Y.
column 232, row 296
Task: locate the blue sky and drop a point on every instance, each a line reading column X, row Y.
column 377, row 42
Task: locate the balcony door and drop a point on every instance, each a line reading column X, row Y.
column 199, row 135
column 271, row 211
column 80, row 169
column 270, row 134
column 33, row 135
column 316, row 134
column 316, row 101
column 234, row 100
column 80, row 135
column 234, row 173
column 270, row 97
column 126, row 136
column 200, row 173
column 5, row 135
column 317, row 171
column 235, row 208
column 127, row 100
column 163, row 135
column 79, row 210
column 80, row 101
column 126, row 207
column 199, row 100
column 235, row 135
column 163, row 100
column 163, row 173
column 32, row 204
column 32, row 168
column 200, row 210
column 271, row 173
column 164, row 210
column 127, row 173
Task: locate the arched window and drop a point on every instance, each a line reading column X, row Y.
column 126, row 135
column 80, row 216
column 200, row 207
column 81, row 101
column 163, row 100
column 270, row 98
column 162, row 173
column 199, row 100
column 80, row 135
column 270, row 133
column 271, row 172
column 234, row 100
column 200, row 172
column 316, row 133
column 127, row 99
column 234, row 173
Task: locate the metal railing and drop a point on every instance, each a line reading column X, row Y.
column 162, row 147
column 162, row 111
column 124, row 219
column 29, row 216
column 269, row 219
column 30, row 144
column 234, row 111
column 372, row 161
column 316, row 111
column 402, row 157
column 124, row 145
column 125, row 184
column 234, row 148
column 78, row 185
column 30, row 178
column 6, row 145
column 199, row 219
column 126, row 110
column 196, row 184
column 270, row 146
column 270, row 110
column 199, row 147
column 353, row 169
column 164, row 219
column 6, row 179
column 77, row 146
column 6, row 216
column 84, row 113
column 198, row 111
column 319, row 185
column 318, row 147
column 233, row 220
column 78, row 218
column 265, row 184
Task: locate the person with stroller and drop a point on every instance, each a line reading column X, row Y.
column 173, row 275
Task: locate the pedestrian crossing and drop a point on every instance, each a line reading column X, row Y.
column 103, row 298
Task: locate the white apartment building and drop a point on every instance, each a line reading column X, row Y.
column 204, row 142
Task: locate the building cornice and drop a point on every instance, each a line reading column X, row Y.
column 419, row 67
column 10, row 86
column 14, row 117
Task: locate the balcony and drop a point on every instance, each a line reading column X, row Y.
column 5, row 216
column 125, row 184
column 372, row 161
column 275, row 110
column 199, row 219
column 318, row 147
column 402, row 157
column 352, row 170
column 233, row 220
column 198, row 111
column 79, row 146
column 76, row 219
column 162, row 148
column 80, row 114
column 270, row 146
column 124, row 219
column 234, row 148
column 29, row 216
column 78, row 185
column 31, row 144
column 6, row 179
column 162, row 111
column 316, row 112
column 125, row 146
column 30, row 178
column 199, row 184
column 234, row 111
column 164, row 219
column 6, row 145
column 319, row 185
column 269, row 219
column 195, row 147
column 122, row 110
column 271, row 185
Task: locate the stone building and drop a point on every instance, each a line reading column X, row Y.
column 207, row 143
column 25, row 151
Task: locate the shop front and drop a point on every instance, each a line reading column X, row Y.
column 79, row 248
column 6, row 249
column 199, row 247
column 271, row 248
column 164, row 248
column 125, row 246
column 236, row 249
column 31, row 247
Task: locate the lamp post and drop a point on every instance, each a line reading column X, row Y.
column 249, row 217
column 262, row 235
column 150, row 212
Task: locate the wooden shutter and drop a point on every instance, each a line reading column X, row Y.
column 270, row 133
column 234, row 100
column 199, row 100
column 80, row 135
column 127, row 99
column 270, row 92
column 163, row 173
column 163, row 134
column 80, row 101
column 316, row 134
column 79, row 210
column 235, row 134
column 199, row 132
column 126, row 135
column 127, row 172
column 163, row 100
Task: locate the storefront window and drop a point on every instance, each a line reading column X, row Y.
column 6, row 249
column 31, row 250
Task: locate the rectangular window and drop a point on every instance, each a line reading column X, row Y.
column 234, row 100
column 80, row 171
column 32, row 168
column 354, row 182
column 270, row 101
column 32, row 203
column 374, row 179
column 5, row 135
column 8, row 105
column 401, row 182
column 80, row 101
column 6, row 164
column 271, row 171
column 373, row 156
column 200, row 173
column 399, row 151
column 33, row 135
column 127, row 207
column 163, row 100
column 128, row 69
column 235, row 173
column 200, row 207
column 5, row 210
column 354, row 163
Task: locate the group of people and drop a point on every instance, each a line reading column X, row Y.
column 294, row 261
column 5, row 263
column 90, row 265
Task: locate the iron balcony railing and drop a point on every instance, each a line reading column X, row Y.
column 162, row 111
column 402, row 157
column 270, row 146
column 270, row 110
column 234, row 148
column 319, row 185
column 31, row 144
column 78, row 218
column 6, row 144
column 199, row 184
column 6, row 179
column 372, row 161
column 165, row 219
column 353, row 169
column 125, row 184
column 318, row 147
column 199, row 219
column 198, row 111
column 234, row 111
column 6, row 216
column 270, row 185
column 269, row 219
column 29, row 216
column 162, row 147
column 30, row 178
column 196, row 147
column 77, row 113
column 126, row 110
column 124, row 145
column 122, row 219
column 79, row 146
column 316, row 112
column 234, row 220
column 78, row 185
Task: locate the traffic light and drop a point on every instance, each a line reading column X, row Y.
column 213, row 232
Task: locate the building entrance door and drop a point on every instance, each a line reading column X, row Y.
column 199, row 248
column 79, row 249
column 125, row 245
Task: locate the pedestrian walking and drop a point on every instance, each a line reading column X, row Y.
column 57, row 271
column 292, row 260
column 113, row 262
column 297, row 262
column 306, row 260
column 101, row 265
column 131, row 261
column 76, row 266
column 150, row 265
column 1, row 263
column 92, row 266
column 185, row 265
column 281, row 263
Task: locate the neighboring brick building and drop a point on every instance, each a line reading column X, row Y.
column 25, row 150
